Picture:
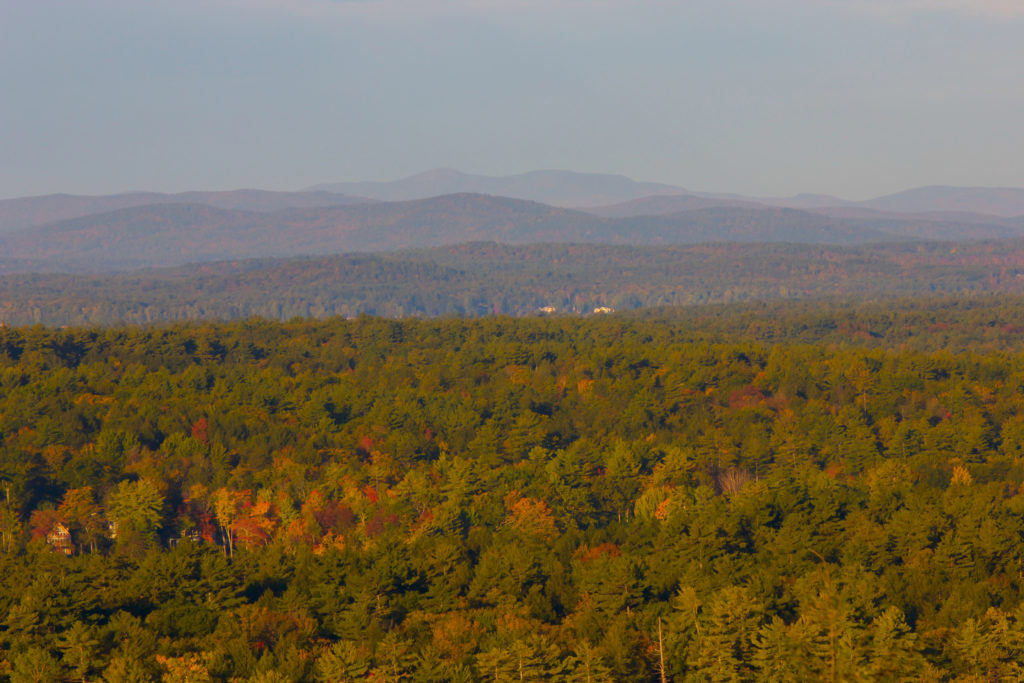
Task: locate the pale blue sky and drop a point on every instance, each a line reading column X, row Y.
column 768, row 97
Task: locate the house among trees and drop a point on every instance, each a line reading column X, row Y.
column 59, row 538
column 191, row 534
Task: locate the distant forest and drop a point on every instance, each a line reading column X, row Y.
column 488, row 278
column 794, row 491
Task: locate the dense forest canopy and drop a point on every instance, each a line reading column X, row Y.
column 486, row 278
column 767, row 492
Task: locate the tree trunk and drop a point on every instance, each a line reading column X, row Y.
column 661, row 654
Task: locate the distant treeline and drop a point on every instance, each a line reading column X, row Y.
column 486, row 278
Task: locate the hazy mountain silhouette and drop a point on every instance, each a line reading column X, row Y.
column 992, row 201
column 599, row 192
column 998, row 201
column 27, row 211
column 661, row 205
column 153, row 229
column 557, row 188
column 873, row 223
column 170, row 234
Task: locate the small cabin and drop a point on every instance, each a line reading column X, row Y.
column 59, row 539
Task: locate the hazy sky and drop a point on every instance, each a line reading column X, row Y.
column 768, row 97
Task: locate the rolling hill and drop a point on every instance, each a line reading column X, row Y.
column 997, row 201
column 661, row 205
column 24, row 212
column 174, row 234
column 137, row 230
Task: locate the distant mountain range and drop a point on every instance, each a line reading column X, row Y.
column 588, row 190
column 137, row 230
column 557, row 188
column 175, row 234
column 28, row 211
column 996, row 201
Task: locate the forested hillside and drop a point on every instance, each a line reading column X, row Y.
column 795, row 494
column 245, row 227
column 487, row 278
